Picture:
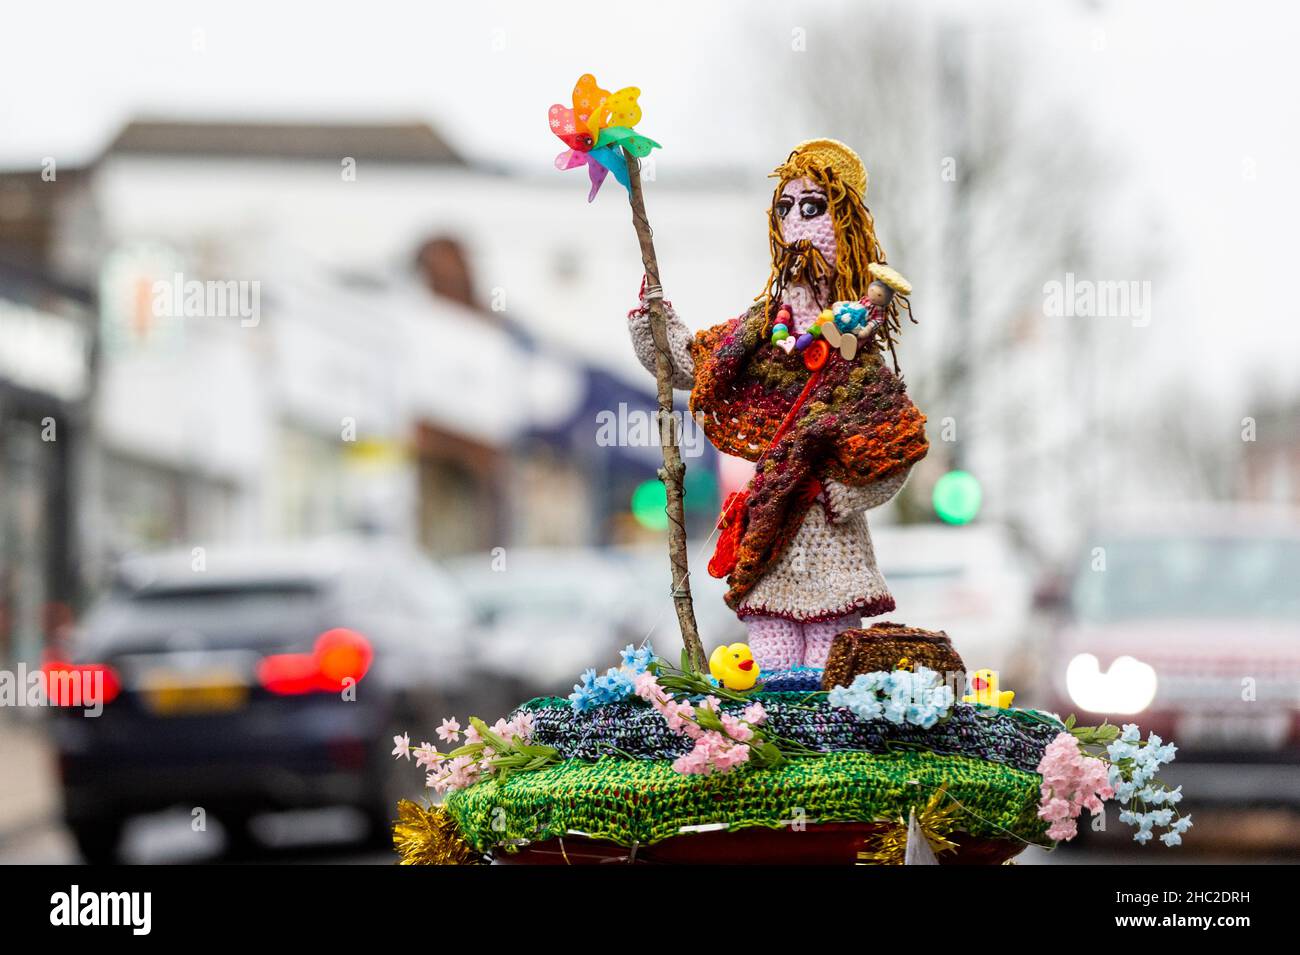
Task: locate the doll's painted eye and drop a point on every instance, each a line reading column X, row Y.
column 812, row 207
column 783, row 206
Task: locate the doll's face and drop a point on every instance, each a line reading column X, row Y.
column 803, row 211
column 878, row 294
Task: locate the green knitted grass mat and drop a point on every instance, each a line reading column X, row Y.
column 645, row 801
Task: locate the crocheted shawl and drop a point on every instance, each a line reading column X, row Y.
column 856, row 426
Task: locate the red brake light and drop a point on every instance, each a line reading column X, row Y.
column 80, row 684
column 339, row 656
column 342, row 655
column 287, row 673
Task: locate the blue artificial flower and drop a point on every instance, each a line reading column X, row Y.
column 895, row 712
column 1143, row 836
column 1120, row 749
column 637, row 659
column 613, row 680
column 585, row 695
column 1131, row 733
column 613, row 686
column 900, row 696
column 1171, row 839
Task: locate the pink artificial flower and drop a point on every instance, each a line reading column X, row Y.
column 471, row 735
column 1054, row 810
column 754, row 714
column 1072, row 781
column 402, row 746
column 1063, row 830
column 681, row 720
column 736, row 729
column 712, row 752
column 647, row 688
column 449, row 731
column 436, row 778
column 462, row 772
column 426, row 755
column 694, row 763
column 731, row 757
column 522, row 726
column 503, row 729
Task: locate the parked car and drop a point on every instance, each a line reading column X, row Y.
column 547, row 614
column 1190, row 626
column 970, row 582
column 244, row 681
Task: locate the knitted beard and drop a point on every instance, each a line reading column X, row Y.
column 801, row 262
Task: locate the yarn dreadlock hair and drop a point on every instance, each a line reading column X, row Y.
column 856, row 248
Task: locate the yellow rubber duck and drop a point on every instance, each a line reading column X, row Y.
column 984, row 683
column 734, row 666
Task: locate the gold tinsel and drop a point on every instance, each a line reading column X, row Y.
column 428, row 836
column 936, row 820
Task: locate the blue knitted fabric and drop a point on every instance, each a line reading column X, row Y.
column 1013, row 738
column 798, row 678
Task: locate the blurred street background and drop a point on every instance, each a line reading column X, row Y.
column 307, row 348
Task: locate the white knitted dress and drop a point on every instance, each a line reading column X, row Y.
column 829, row 568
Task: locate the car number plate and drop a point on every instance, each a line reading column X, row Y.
column 175, row 694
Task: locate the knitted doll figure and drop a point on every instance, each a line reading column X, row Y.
column 831, row 436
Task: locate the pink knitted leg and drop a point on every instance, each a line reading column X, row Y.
column 817, row 637
column 776, row 643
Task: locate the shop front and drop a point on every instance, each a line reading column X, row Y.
column 44, row 380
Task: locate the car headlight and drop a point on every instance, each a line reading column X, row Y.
column 1127, row 687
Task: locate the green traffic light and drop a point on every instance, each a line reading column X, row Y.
column 956, row 497
column 649, row 500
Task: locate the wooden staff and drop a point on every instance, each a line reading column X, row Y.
column 674, row 471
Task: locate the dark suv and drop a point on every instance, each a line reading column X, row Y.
column 235, row 683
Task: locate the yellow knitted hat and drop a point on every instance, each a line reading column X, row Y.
column 833, row 154
column 883, row 273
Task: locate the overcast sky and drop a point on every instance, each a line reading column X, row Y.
column 1198, row 98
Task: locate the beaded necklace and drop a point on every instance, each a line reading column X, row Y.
column 844, row 325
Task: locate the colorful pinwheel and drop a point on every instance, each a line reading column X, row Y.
column 595, row 127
